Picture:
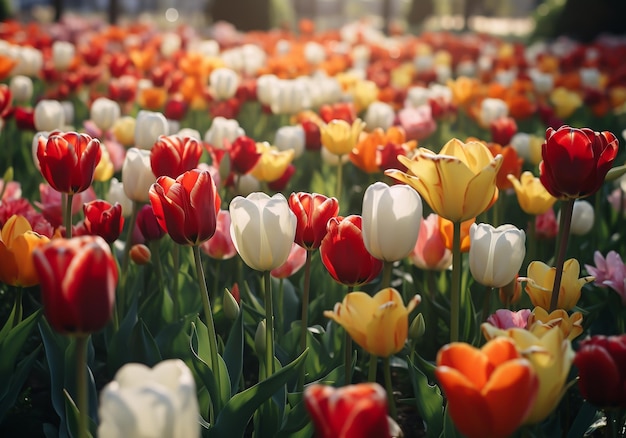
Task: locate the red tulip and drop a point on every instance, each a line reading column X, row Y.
column 187, row 206
column 25, row 118
column 172, row 155
column 243, row 155
column 175, row 108
column 312, row 135
column 5, row 101
column 502, row 130
column 353, row 411
column 313, row 212
column 78, row 278
column 280, row 184
column 576, row 161
column 103, row 219
column 68, row 160
column 148, row 224
column 601, row 363
column 344, row 255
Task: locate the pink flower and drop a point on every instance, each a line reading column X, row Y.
column 430, row 250
column 418, row 123
column 615, row 199
column 546, row 225
column 295, row 261
column 609, row 271
column 505, row 319
column 12, row 191
column 220, row 246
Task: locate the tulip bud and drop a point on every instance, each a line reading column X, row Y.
column 221, row 129
column 290, row 137
column 510, row 293
column 104, row 112
column 417, row 327
column 149, row 126
column 224, row 83
column 231, row 307
column 49, row 115
column 140, row 254
column 260, row 343
column 21, row 88
column 137, row 175
column 379, row 115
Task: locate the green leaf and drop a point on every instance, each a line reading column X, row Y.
column 449, row 429
column 12, row 391
column 429, row 401
column 12, row 344
column 143, row 347
column 233, row 353
column 119, row 351
column 73, row 414
column 587, row 415
column 9, row 324
column 236, row 414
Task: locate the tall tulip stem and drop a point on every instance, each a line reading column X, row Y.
column 129, row 240
column 269, row 325
column 561, row 249
column 208, row 314
column 67, row 218
column 371, row 372
column 389, row 387
column 81, row 385
column 348, row 358
column 304, row 321
column 455, row 292
column 339, row 178
column 386, row 278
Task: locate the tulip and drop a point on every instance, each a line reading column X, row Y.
column 492, row 109
column 220, row 246
column 137, row 175
column 289, row 96
column 496, row 254
column 149, row 126
column 62, row 55
column 222, row 128
column 353, row 411
column 104, row 112
column 565, row 102
column 78, row 278
column 272, row 163
column 550, row 354
column 68, row 160
column 379, row 115
column 430, row 251
column 583, row 216
column 186, row 207
column 344, row 254
column 116, row 194
column 532, row 196
column 458, row 183
column 295, row 261
column 172, row 155
column 140, row 254
column 142, row 402
column 148, row 224
column 103, row 219
column 262, row 229
column 379, row 324
column 17, row 243
column 576, row 161
column 540, row 321
column 502, row 130
column 105, row 169
column 528, row 147
column 313, row 211
column 391, row 220
column 418, row 122
column 490, row 391
column 506, row 319
column 224, row 83
column 446, row 229
column 339, row 137
column 290, row 137
column 540, row 280
column 21, row 88
column 49, row 115
column 609, row 271
column 123, row 130
column 601, row 363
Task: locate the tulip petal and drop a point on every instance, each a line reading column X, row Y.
column 471, row 362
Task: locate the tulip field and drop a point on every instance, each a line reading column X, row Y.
column 340, row 233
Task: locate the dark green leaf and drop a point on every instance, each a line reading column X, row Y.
column 429, row 401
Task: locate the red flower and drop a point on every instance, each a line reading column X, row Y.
column 243, row 155
column 68, row 160
column 187, row 206
column 340, row 110
column 172, row 155
column 601, row 363
column 502, row 130
column 576, row 161
column 280, row 184
column 313, row 212
column 24, row 118
column 78, row 278
column 312, row 135
column 148, row 224
column 5, row 101
column 353, row 411
column 175, row 108
column 344, row 255
column 103, row 219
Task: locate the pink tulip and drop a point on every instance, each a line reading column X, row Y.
column 430, row 250
column 220, row 246
column 505, row 319
column 295, row 261
column 609, row 271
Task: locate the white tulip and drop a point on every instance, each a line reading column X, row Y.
column 290, row 137
column 148, row 127
column 379, row 115
column 137, row 175
column 492, row 109
column 49, row 115
column 29, row 62
column 116, row 194
column 290, row 96
column 391, row 220
column 21, row 88
column 154, row 402
column 223, row 129
column 104, row 112
column 170, row 44
column 583, row 218
column 63, row 53
column 265, row 85
column 224, row 83
column 314, row 53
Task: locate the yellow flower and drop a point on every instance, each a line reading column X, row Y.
column 124, row 130
column 104, row 170
column 532, row 196
column 551, row 356
column 565, row 102
column 364, row 93
column 272, row 163
column 17, row 242
column 540, row 281
column 540, row 322
column 339, row 137
column 459, row 183
column 379, row 324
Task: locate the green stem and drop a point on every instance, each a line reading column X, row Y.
column 532, row 240
column 176, row 268
column 339, row 178
column 455, row 292
column 304, row 322
column 67, row 219
column 208, row 315
column 371, row 372
column 561, row 250
column 156, row 261
column 129, row 240
column 280, row 311
column 386, row 278
column 17, row 316
column 389, row 387
column 269, row 325
column 348, row 357
column 487, row 303
column 81, row 385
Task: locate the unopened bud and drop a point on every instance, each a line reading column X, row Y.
column 231, row 308
column 260, row 339
column 511, row 293
column 417, row 328
column 8, row 175
column 140, row 254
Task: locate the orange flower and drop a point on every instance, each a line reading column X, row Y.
column 365, row 153
column 490, row 391
column 520, row 106
column 446, row 229
column 6, row 65
column 463, row 90
column 152, row 98
column 511, row 164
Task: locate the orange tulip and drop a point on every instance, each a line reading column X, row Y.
column 490, row 391
column 446, row 229
column 17, row 242
column 511, row 164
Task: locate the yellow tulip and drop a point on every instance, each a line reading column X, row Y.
column 551, row 356
column 124, row 130
column 272, row 163
column 540, row 321
column 532, row 196
column 379, row 324
column 565, row 102
column 339, row 137
column 17, row 242
column 540, row 281
column 364, row 93
column 459, row 183
column 104, row 170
